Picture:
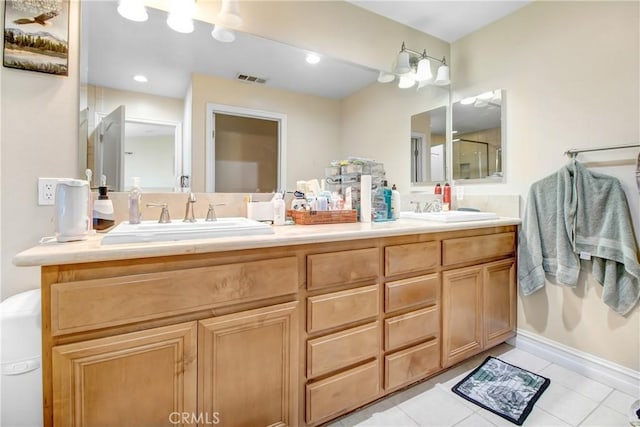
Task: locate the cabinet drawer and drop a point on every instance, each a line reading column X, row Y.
column 411, row 364
column 423, row 290
column 411, row 257
column 476, row 248
column 411, row 327
column 341, row 392
column 341, row 349
column 341, row 268
column 341, row 308
column 92, row 304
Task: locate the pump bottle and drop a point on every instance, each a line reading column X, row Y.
column 135, row 196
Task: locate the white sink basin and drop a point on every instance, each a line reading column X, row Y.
column 152, row 231
column 450, row 216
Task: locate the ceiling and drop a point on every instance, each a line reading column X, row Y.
column 446, row 20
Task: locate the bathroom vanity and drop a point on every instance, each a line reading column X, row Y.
column 290, row 329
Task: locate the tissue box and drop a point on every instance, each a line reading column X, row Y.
column 260, row 211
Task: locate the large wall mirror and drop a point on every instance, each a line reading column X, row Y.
column 477, row 137
column 115, row 50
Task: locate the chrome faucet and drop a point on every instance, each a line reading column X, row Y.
column 418, row 210
column 211, row 213
column 433, row 206
column 189, row 216
column 164, row 214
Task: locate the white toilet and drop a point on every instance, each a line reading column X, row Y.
column 20, row 360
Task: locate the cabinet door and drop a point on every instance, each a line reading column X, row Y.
column 499, row 295
column 138, row 379
column 462, row 314
column 247, row 367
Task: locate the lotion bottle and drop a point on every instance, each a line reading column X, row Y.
column 135, row 196
column 395, row 202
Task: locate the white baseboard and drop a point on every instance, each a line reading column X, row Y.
column 601, row 370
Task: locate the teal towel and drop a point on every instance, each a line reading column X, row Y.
column 578, row 211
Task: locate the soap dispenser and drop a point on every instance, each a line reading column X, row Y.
column 135, row 196
column 103, row 216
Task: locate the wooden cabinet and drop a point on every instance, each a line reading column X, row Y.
column 344, row 391
column 285, row 336
column 462, row 308
column 332, row 352
column 499, row 301
column 247, row 367
column 134, row 379
column 478, row 305
column 342, row 308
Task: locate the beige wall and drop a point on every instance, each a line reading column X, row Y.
column 570, row 70
column 376, row 123
column 39, row 137
column 312, row 124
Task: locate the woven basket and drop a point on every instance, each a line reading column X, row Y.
column 323, row 217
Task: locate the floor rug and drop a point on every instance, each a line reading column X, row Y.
column 504, row 389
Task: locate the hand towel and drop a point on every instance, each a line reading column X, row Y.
column 603, row 229
column 572, row 211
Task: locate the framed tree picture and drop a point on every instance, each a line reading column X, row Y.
column 36, row 35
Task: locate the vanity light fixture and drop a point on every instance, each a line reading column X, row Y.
column 223, row 34
column 180, row 17
column 313, row 58
column 229, row 16
column 133, row 10
column 413, row 67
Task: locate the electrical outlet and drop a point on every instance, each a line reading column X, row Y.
column 47, row 191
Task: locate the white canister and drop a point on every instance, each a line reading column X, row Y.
column 72, row 210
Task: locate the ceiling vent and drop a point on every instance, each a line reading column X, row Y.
column 250, row 79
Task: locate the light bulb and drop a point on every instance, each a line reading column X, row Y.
column 132, row 10
column 424, row 73
column 406, row 82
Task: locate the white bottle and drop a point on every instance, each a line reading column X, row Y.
column 278, row 209
column 134, row 201
column 395, row 203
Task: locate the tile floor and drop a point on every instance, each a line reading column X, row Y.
column 571, row 400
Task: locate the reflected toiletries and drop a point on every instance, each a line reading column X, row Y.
column 365, row 198
column 103, row 208
column 134, row 202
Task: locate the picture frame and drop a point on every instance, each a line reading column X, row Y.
column 36, row 36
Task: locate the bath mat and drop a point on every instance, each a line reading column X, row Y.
column 504, row 389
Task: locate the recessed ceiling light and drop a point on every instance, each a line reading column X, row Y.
column 312, row 58
column 140, row 78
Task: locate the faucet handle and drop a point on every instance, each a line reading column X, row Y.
column 418, row 210
column 189, row 216
column 211, row 213
column 164, row 213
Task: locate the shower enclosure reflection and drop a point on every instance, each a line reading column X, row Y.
column 477, row 137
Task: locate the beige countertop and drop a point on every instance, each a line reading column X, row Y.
column 91, row 250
